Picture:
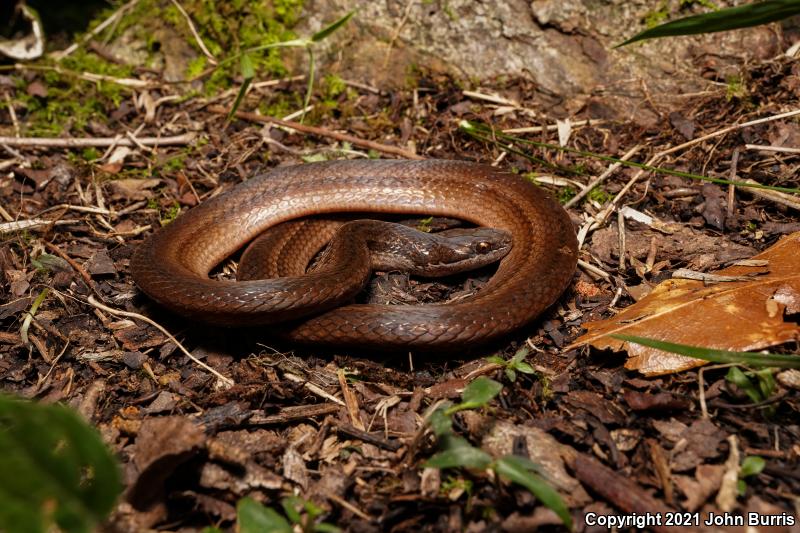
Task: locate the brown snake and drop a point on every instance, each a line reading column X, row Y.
column 172, row 266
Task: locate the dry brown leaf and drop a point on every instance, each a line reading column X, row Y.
column 738, row 315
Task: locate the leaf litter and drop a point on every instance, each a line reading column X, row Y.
column 749, row 312
column 347, row 431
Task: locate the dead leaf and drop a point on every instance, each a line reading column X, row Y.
column 133, row 188
column 738, row 315
column 695, row 249
column 161, row 446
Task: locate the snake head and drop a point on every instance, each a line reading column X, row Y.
column 460, row 250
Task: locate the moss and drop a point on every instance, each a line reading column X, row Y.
column 565, row 194
column 171, row 214
column 599, row 195
column 333, row 86
column 736, row 88
column 226, row 27
column 282, row 104
column 658, row 15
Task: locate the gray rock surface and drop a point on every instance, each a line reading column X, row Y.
column 564, row 46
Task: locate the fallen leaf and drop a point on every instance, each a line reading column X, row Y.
column 134, row 188
column 738, row 315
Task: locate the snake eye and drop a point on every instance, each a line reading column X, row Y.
column 483, row 247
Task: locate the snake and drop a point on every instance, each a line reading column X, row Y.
column 172, row 265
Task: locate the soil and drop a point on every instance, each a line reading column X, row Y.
column 346, row 430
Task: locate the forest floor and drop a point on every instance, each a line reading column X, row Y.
column 347, row 431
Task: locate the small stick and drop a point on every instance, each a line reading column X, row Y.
column 350, row 401
column 784, row 149
column 360, row 434
column 554, row 127
column 621, row 235
column 97, row 29
column 100, row 142
column 197, row 38
column 349, row 506
column 75, row 266
column 732, row 187
column 593, row 269
column 12, row 113
column 224, row 381
column 602, row 177
column 789, row 200
column 321, row 132
column 729, row 129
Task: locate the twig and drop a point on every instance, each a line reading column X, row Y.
column 197, row 38
column 789, row 200
column 701, row 385
column 351, row 401
column 97, row 29
column 34, row 223
column 360, row 434
column 554, row 127
column 224, row 381
column 12, row 113
column 732, row 187
column 729, row 129
column 6, row 216
column 599, row 179
column 784, row 149
column 321, row 132
column 316, row 389
column 593, row 269
column 349, row 506
column 54, row 142
column 396, row 32
column 75, row 266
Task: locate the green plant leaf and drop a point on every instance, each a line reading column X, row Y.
column 481, row 391
column 740, row 379
column 252, row 517
column 248, row 73
column 496, row 359
column 718, row 356
column 54, row 469
column 324, row 32
column 766, row 382
column 722, row 20
column 460, row 457
column 521, row 471
column 477, row 394
column 440, row 422
column 325, row 527
column 524, row 367
column 752, row 465
column 520, row 355
column 291, row 509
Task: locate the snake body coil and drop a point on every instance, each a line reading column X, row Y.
column 172, row 266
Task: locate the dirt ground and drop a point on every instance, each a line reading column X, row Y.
column 345, row 430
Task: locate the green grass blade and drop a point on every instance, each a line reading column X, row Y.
column 521, row 471
column 722, row 20
column 248, row 73
column 310, row 86
column 717, row 356
column 462, row 457
column 480, row 131
column 324, row 32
